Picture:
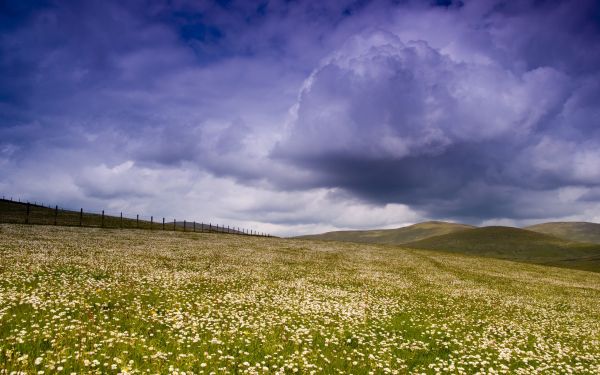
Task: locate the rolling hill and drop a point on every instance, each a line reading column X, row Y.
column 573, row 231
column 392, row 236
column 516, row 244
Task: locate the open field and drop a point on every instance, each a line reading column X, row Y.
column 91, row 300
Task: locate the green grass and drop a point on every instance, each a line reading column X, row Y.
column 392, row 236
column 573, row 231
column 91, row 300
column 518, row 245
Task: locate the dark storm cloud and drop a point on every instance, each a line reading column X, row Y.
column 481, row 125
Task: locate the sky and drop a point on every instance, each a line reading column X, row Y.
column 296, row 117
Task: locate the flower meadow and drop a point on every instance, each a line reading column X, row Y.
column 82, row 300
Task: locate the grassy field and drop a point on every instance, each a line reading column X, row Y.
column 518, row 245
column 391, row 236
column 91, row 300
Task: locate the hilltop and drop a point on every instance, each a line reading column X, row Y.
column 518, row 245
column 574, row 231
column 396, row 236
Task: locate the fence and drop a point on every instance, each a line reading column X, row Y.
column 18, row 212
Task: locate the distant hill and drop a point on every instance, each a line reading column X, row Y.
column 516, row 244
column 573, row 231
column 392, row 236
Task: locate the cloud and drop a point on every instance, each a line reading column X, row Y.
column 412, row 121
column 304, row 116
column 386, row 99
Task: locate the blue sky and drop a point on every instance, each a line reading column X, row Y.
column 296, row 117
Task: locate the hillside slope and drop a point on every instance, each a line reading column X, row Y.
column 145, row 301
column 516, row 244
column 392, row 236
column 573, row 231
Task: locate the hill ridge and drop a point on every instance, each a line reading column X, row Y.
column 393, row 236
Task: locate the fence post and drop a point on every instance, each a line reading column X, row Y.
column 151, row 221
column 209, row 227
column 55, row 214
column 102, row 223
column 174, row 221
column 81, row 217
column 201, row 227
column 121, row 221
column 27, row 215
column 137, row 221
column 194, row 226
column 163, row 223
column 184, row 225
